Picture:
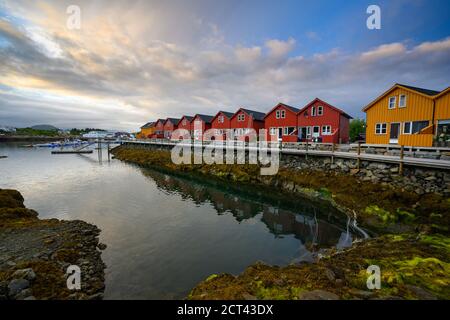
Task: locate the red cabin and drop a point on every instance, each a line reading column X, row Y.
column 244, row 120
column 281, row 123
column 169, row 126
column 220, row 124
column 321, row 122
column 185, row 123
column 199, row 124
column 159, row 130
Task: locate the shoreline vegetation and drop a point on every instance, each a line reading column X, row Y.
column 35, row 254
column 410, row 237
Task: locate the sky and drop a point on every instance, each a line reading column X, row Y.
column 131, row 62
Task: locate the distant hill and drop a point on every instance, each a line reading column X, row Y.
column 45, row 127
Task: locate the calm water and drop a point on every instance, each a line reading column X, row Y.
column 166, row 233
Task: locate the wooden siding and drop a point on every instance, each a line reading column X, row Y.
column 443, row 107
column 423, row 140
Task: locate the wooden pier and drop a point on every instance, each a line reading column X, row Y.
column 72, row 151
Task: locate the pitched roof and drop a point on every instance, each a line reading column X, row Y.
column 259, row 116
column 188, row 118
column 148, row 125
column 442, row 93
column 227, row 114
column 428, row 92
column 342, row 112
column 204, row 117
column 294, row 110
column 173, row 120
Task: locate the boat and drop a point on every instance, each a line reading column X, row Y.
column 65, row 143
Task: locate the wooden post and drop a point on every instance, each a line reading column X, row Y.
column 332, row 153
column 400, row 167
column 359, row 153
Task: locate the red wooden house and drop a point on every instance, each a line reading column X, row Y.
column 169, row 126
column 321, row 122
column 220, row 124
column 281, row 123
column 199, row 124
column 185, row 123
column 244, row 120
column 159, row 129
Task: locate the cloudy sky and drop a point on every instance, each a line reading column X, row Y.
column 135, row 61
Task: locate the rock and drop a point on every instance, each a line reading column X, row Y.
column 330, row 275
column 30, row 298
column 361, row 293
column 27, row 274
column 10, row 263
column 22, row 295
column 248, row 296
column 97, row 296
column 354, row 171
column 17, row 285
column 420, row 293
column 318, row 295
column 101, row 246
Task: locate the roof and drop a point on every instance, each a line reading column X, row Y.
column 342, row 112
column 204, row 117
column 173, row 120
column 427, row 93
column 188, row 118
column 227, row 114
column 148, row 125
column 256, row 115
column 442, row 93
column 294, row 110
column 420, row 90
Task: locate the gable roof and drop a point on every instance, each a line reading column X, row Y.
column 175, row 121
column 148, row 125
column 188, row 118
column 256, row 115
column 342, row 112
column 159, row 120
column 442, row 93
column 280, row 104
column 227, row 114
column 205, row 118
column 430, row 94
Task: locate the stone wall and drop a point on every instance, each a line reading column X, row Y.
column 415, row 179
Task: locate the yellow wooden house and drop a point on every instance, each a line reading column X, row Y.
column 147, row 130
column 409, row 116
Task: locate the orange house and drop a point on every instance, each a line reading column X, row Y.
column 406, row 115
column 146, row 130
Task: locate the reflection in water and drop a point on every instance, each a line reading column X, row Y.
column 287, row 217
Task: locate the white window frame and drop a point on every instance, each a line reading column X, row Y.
column 391, row 100
column 318, row 131
column 184, row 122
column 277, row 114
column 410, row 127
column 282, row 114
column 379, row 127
column 308, row 132
column 400, row 101
column 320, row 110
column 313, row 111
column 221, row 119
column 326, row 132
column 273, row 131
column 241, row 117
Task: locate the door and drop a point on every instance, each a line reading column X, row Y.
column 280, row 133
column 394, row 133
column 302, row 133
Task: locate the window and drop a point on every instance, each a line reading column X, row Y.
column 316, row 131
column 380, row 128
column 288, row 130
column 241, row 117
column 273, row 131
column 308, row 132
column 392, row 103
column 320, row 110
column 402, row 101
column 326, row 130
column 419, row 125
column 277, row 114
column 184, row 122
column 221, row 119
column 283, row 114
column 407, row 128
column 313, row 111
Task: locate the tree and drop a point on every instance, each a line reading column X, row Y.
column 357, row 127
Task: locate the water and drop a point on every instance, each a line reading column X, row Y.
column 166, row 233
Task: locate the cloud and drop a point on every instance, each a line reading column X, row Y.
column 129, row 66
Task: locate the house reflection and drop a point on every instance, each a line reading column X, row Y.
column 302, row 221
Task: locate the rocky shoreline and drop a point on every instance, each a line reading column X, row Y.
column 35, row 254
column 411, row 241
